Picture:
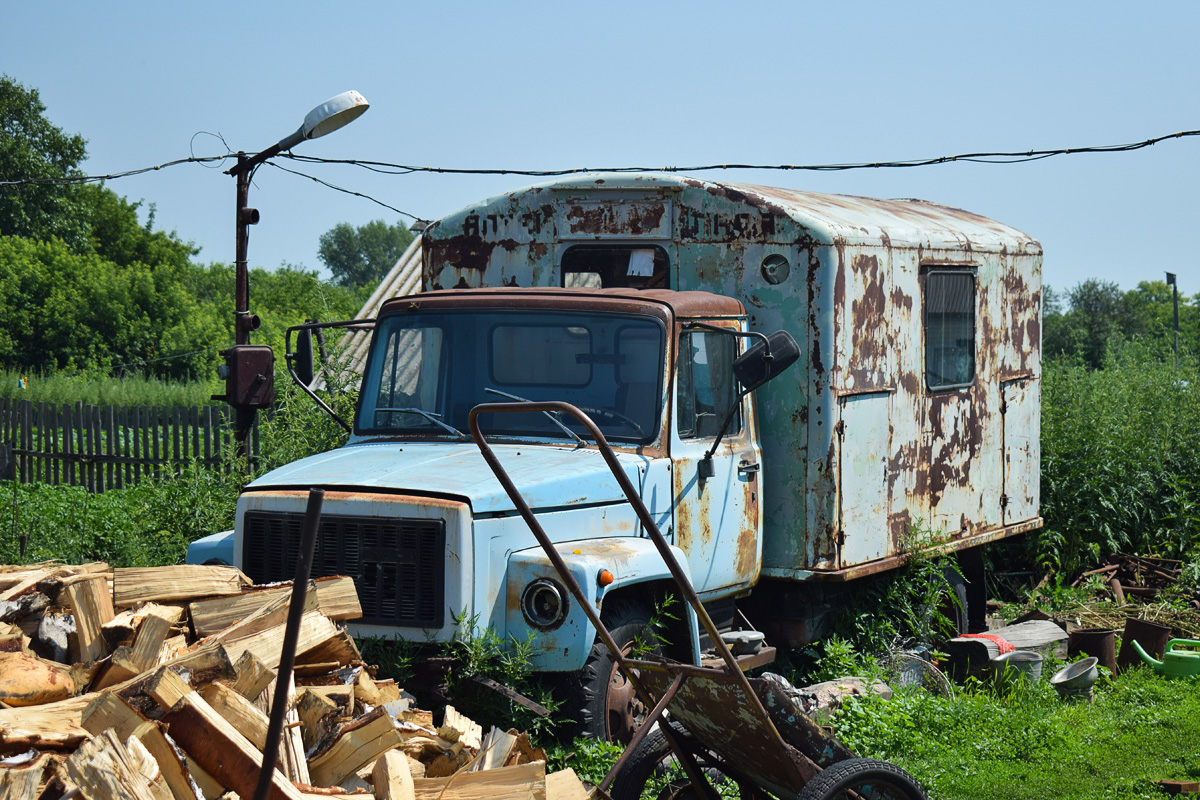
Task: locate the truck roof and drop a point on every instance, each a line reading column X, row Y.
column 827, row 217
column 685, row 304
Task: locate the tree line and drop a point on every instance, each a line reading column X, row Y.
column 85, row 285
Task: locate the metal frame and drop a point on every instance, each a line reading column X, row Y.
column 731, row 671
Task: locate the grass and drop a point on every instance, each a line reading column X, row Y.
column 97, row 388
column 1029, row 744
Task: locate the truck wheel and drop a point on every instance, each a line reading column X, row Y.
column 862, row 777
column 608, row 707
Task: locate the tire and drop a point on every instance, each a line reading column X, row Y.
column 607, row 706
column 643, row 765
column 652, row 760
column 956, row 612
column 867, row 777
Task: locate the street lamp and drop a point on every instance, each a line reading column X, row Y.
column 249, row 371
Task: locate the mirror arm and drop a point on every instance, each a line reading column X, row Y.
column 289, row 359
column 730, row 332
column 706, row 464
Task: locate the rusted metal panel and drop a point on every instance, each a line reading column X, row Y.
column 718, row 713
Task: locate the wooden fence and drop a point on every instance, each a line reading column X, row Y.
column 105, row 447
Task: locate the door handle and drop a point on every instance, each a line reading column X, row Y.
column 745, row 468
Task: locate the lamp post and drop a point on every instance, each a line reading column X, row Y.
column 1175, row 306
column 248, row 370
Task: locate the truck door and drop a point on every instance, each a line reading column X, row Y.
column 864, row 441
column 1019, row 403
column 717, row 520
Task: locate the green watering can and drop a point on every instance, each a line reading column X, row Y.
column 1175, row 663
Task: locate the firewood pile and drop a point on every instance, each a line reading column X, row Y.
column 1144, row 578
column 156, row 684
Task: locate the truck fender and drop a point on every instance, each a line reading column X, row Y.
column 563, row 645
column 216, row 548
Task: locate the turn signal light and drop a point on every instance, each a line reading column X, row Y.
column 605, row 577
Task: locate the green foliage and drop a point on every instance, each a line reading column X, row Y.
column 32, row 147
column 1099, row 314
column 906, row 605
column 149, row 524
column 1141, row 728
column 590, row 758
column 96, row 388
column 363, row 256
column 1120, row 458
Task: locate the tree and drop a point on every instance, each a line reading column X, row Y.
column 362, row 256
column 32, row 147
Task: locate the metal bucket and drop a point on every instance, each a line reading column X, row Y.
column 1098, row 642
column 1150, row 635
column 1074, row 681
column 1023, row 663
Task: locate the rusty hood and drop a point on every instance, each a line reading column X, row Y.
column 548, row 476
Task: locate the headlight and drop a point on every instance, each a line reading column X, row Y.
column 544, row 604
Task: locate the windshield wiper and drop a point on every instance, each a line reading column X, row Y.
column 429, row 415
column 553, row 417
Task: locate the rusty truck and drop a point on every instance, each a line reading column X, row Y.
column 913, row 406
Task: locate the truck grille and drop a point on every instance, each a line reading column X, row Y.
column 398, row 565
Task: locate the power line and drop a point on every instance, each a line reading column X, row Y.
column 341, row 189
column 113, row 176
column 389, row 168
column 999, row 157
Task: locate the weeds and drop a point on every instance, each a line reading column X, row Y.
column 1141, row 728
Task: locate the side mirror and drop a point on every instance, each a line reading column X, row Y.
column 302, row 359
column 761, row 363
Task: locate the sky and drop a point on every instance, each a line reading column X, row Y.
column 487, row 85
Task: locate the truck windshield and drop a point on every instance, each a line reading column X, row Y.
column 428, row 369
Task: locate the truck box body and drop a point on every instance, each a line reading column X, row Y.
column 916, row 402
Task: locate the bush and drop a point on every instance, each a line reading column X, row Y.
column 1120, row 458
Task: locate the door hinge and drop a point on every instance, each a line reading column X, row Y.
column 841, row 538
column 840, row 428
column 1004, row 501
column 1003, row 406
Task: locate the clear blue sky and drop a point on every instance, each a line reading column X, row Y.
column 541, row 85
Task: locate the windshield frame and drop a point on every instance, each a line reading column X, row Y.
column 659, row 318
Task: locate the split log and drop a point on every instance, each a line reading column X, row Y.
column 252, row 676
column 220, row 750
column 238, row 712
column 318, row 719
column 103, row 770
column 128, row 662
column 470, row 732
column 21, row 782
column 565, row 785
column 357, row 743
column 27, row 680
column 336, row 597
column 392, row 778
column 495, row 750
column 524, row 782
column 133, row 585
column 110, row 711
column 89, row 600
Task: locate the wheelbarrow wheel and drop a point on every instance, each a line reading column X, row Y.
column 653, row 761
column 862, row 777
column 607, row 706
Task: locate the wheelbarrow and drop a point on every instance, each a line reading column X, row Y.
column 714, row 721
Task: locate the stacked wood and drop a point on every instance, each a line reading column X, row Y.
column 157, row 684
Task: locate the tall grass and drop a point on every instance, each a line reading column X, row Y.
column 1120, row 458
column 101, row 389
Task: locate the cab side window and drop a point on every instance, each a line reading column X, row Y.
column 949, row 329
column 705, row 386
